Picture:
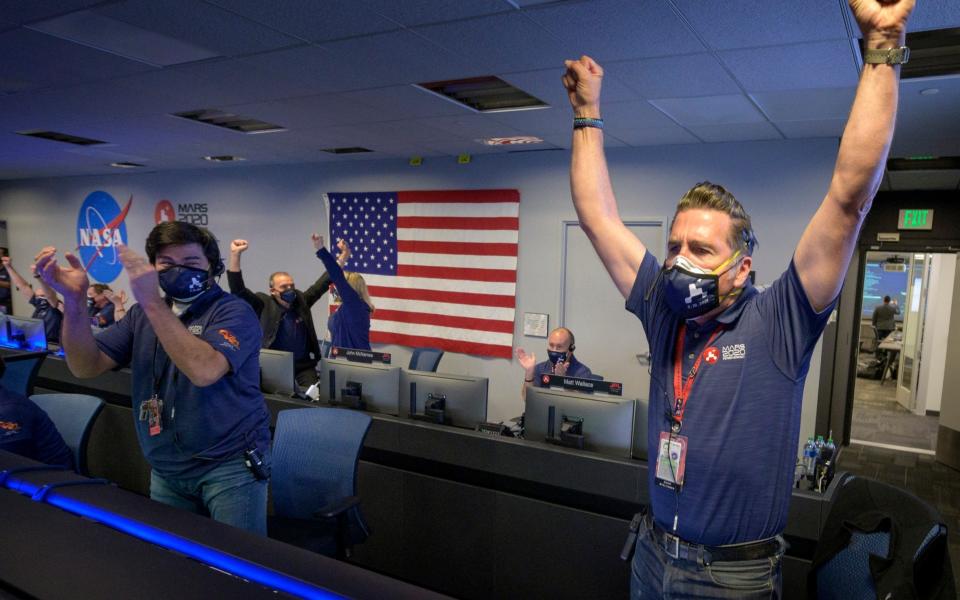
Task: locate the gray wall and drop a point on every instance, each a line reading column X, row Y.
column 277, row 207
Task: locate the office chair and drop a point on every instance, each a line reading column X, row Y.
column 314, row 479
column 324, row 348
column 21, row 371
column 73, row 414
column 878, row 540
column 426, row 359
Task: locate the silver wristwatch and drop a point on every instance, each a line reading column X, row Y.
column 886, row 56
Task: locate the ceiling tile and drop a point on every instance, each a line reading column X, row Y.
column 935, row 14
column 752, row 23
column 675, row 76
column 710, row 110
column 500, row 43
column 306, row 20
column 636, row 114
column 797, row 105
column 406, row 102
column 545, row 84
column 630, row 29
column 473, row 126
column 736, row 132
column 812, row 65
column 536, row 122
column 816, row 128
column 20, row 12
column 422, row 12
column 199, row 23
column 657, row 136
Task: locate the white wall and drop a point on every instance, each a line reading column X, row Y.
column 940, row 302
column 950, row 406
column 277, row 207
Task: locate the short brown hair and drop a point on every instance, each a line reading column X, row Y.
column 274, row 274
column 100, row 288
column 711, row 196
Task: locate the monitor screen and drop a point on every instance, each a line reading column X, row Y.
column 607, row 420
column 380, row 383
column 464, row 397
column 884, row 279
column 277, row 375
column 26, row 334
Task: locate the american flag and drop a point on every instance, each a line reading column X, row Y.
column 441, row 266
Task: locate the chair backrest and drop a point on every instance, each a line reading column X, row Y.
column 21, row 371
column 73, row 414
column 426, row 359
column 315, row 456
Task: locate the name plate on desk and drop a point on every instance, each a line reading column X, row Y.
column 587, row 386
column 362, row 356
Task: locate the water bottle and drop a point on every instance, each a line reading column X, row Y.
column 810, row 457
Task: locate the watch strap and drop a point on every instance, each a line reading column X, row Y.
column 886, row 56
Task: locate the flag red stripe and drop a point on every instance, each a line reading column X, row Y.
column 472, row 196
column 471, row 223
column 470, row 248
column 421, row 318
column 419, row 341
column 497, row 275
column 441, row 296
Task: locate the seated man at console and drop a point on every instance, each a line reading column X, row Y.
column 560, row 360
column 25, row 429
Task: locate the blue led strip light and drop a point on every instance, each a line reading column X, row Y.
column 215, row 558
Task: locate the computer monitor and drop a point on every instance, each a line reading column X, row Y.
column 606, row 422
column 277, row 374
column 463, row 398
column 640, row 420
column 26, row 334
column 4, row 338
column 380, row 384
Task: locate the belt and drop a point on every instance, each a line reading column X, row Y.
column 675, row 547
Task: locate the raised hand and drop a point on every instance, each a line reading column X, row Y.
column 561, row 368
column 344, row 255
column 884, row 19
column 527, row 361
column 317, row 241
column 118, row 297
column 144, row 283
column 582, row 80
column 71, row 282
column 239, row 246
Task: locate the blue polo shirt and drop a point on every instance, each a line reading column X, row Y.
column 742, row 418
column 25, row 429
column 51, row 316
column 102, row 317
column 350, row 325
column 576, row 369
column 202, row 426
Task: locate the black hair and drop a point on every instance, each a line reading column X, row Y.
column 886, row 299
column 178, row 233
column 3, row 367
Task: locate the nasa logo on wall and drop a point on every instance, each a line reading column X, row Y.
column 100, row 227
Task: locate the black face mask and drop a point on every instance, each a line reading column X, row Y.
column 289, row 296
column 41, row 303
column 91, row 303
column 183, row 283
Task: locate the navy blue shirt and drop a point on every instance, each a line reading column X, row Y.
column 291, row 335
column 25, row 429
column 102, row 317
column 742, row 418
column 576, row 369
column 350, row 325
column 202, row 426
column 51, row 316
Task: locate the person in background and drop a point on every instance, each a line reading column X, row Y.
column 350, row 326
column 284, row 313
column 119, row 300
column 728, row 362
column 6, row 298
column 194, row 357
column 99, row 308
column 560, row 360
column 43, row 299
column 884, row 318
column 25, row 429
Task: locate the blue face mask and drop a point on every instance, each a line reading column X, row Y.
column 556, row 358
column 182, row 283
column 691, row 291
column 289, row 296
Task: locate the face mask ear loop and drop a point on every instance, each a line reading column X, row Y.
column 646, row 296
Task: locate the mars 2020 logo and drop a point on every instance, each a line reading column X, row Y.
column 100, row 227
column 195, row 213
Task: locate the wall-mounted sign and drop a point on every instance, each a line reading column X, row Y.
column 196, row 213
column 916, row 218
column 100, row 227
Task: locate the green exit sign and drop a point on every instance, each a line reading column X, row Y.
column 916, row 218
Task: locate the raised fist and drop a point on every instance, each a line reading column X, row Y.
column 239, row 246
column 317, row 241
column 582, row 80
column 882, row 19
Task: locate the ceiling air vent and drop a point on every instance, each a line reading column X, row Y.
column 484, row 94
column 932, row 53
column 219, row 118
column 347, row 150
column 66, row 138
column 924, row 163
column 126, row 165
column 223, row 158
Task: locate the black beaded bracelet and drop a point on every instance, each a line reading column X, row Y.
column 581, row 122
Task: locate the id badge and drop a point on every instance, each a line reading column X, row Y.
column 153, row 408
column 671, row 460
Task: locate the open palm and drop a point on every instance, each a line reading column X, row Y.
column 69, row 281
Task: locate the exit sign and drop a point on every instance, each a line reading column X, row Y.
column 916, row 218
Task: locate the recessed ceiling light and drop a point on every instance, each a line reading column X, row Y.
column 483, row 94
column 929, row 91
column 512, row 140
column 223, row 158
column 126, row 165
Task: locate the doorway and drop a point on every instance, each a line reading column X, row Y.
column 900, row 363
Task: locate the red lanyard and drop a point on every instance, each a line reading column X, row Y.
column 681, row 390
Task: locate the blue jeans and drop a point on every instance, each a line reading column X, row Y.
column 228, row 493
column 654, row 574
